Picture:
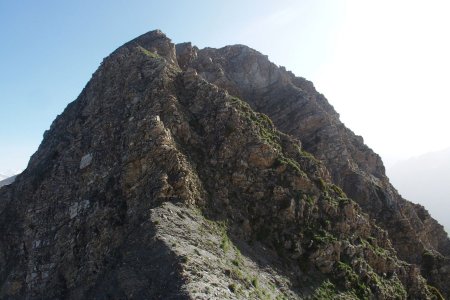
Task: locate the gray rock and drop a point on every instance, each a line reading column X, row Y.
column 86, row 160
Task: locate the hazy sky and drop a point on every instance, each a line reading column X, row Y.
column 384, row 65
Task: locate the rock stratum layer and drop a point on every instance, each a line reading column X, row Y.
column 181, row 173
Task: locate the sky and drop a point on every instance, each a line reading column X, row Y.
column 384, row 65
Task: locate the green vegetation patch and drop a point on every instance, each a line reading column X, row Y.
column 363, row 289
column 321, row 184
column 262, row 122
column 435, row 293
column 351, row 278
column 149, row 53
column 283, row 160
column 310, row 200
column 268, row 134
column 221, row 229
column 323, row 237
column 373, row 247
column 337, row 190
column 308, row 155
column 328, row 291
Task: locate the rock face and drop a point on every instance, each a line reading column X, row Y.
column 181, row 173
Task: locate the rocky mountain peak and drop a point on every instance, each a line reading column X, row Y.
column 155, row 42
column 186, row 173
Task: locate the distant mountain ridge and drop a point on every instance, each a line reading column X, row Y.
column 426, row 179
column 7, row 180
column 186, row 173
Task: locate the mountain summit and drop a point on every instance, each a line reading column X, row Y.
column 181, row 173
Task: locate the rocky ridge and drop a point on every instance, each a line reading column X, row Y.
column 174, row 175
column 297, row 109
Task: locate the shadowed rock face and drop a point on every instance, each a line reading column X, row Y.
column 161, row 182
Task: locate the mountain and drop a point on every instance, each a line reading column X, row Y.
column 426, row 179
column 7, row 180
column 3, row 176
column 181, row 173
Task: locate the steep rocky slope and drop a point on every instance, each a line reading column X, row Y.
column 161, row 182
column 297, row 109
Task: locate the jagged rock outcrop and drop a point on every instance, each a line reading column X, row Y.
column 161, row 182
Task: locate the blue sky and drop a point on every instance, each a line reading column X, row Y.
column 383, row 65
